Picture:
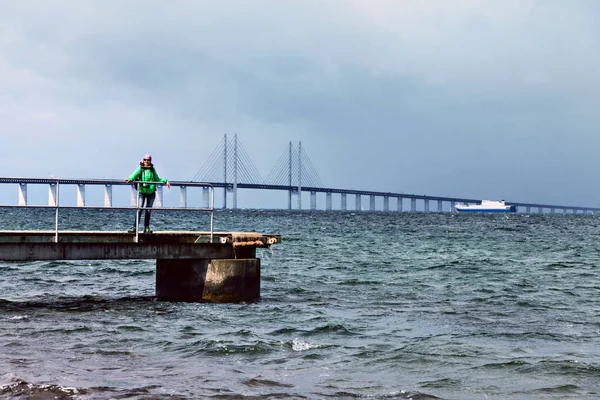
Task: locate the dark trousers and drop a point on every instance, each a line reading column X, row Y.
column 145, row 200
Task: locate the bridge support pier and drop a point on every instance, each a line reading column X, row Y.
column 328, row 203
column 386, row 203
column 440, row 206
column 313, row 200
column 357, row 205
column 426, row 205
column 372, row 202
column 203, row 280
column 399, row 204
column 413, row 205
column 344, row 205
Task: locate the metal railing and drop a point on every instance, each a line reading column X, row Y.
column 54, row 197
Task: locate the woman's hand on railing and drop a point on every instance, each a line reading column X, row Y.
column 168, row 185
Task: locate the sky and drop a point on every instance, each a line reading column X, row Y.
column 463, row 98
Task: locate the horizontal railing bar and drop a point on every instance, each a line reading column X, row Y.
column 109, row 182
column 114, row 208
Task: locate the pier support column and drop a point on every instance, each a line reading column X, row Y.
column 413, row 205
column 22, row 194
column 426, row 205
column 528, row 210
column 452, row 206
column 313, row 200
column 440, row 209
column 344, row 205
column 202, row 280
column 328, row 203
column 357, row 205
column 386, row 203
column 372, row 202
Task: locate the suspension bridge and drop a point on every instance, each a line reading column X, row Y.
column 229, row 167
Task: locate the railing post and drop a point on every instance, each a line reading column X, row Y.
column 183, row 196
column 108, row 195
column 80, row 195
column 22, row 194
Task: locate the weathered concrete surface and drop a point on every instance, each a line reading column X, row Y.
column 108, row 245
column 237, row 238
column 112, row 251
column 216, row 281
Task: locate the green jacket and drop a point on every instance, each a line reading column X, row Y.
column 146, row 175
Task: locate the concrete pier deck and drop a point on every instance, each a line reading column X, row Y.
column 189, row 265
column 106, row 245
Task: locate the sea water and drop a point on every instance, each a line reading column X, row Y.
column 353, row 305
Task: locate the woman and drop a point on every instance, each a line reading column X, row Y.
column 147, row 191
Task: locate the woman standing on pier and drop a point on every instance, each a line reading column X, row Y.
column 147, row 191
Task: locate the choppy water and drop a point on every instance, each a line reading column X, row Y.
column 354, row 305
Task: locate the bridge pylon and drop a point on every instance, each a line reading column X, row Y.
column 227, row 166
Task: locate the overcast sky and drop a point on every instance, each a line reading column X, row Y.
column 466, row 98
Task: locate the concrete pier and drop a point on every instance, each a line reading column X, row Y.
column 189, row 266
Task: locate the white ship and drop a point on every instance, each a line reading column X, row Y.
column 486, row 206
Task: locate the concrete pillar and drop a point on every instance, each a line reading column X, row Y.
column 426, row 205
column 372, row 202
column 22, row 194
column 108, row 195
column 80, row 195
column 440, row 209
column 202, row 280
column 452, row 206
column 159, row 196
column 134, row 196
column 413, row 205
column 52, row 194
column 528, row 209
column 357, row 205
column 540, row 210
column 328, row 202
column 386, row 203
column 344, row 205
column 313, row 200
column 205, row 195
column 183, row 196
column 399, row 204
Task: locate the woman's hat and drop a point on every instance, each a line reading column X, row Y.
column 147, row 157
